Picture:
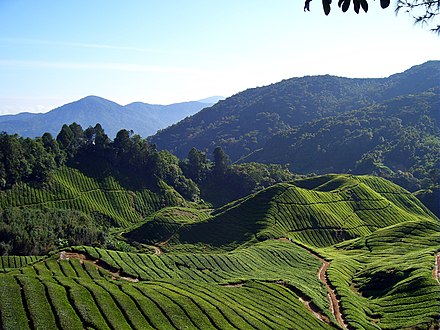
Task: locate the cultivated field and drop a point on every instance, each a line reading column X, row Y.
column 335, row 251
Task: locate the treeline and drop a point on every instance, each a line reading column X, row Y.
column 134, row 161
column 28, row 160
column 220, row 182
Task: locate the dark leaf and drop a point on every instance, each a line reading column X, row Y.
column 307, row 5
column 364, row 5
column 384, row 3
column 326, row 6
column 345, row 5
column 357, row 6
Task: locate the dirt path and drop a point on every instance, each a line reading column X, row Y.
column 157, row 250
column 335, row 307
column 436, row 271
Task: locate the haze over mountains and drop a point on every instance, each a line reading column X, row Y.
column 143, row 118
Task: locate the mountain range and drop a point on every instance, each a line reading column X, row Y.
column 244, row 122
column 143, row 118
column 327, row 124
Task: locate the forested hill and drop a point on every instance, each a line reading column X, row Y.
column 398, row 139
column 244, row 122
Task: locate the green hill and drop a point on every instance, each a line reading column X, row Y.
column 398, row 139
column 318, row 212
column 323, row 124
column 71, row 190
column 74, row 208
column 327, row 252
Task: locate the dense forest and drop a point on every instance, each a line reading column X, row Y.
column 397, row 139
column 243, row 122
column 321, row 124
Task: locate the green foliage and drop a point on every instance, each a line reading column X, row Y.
column 26, row 160
column 27, row 231
column 431, row 198
column 73, row 209
column 387, row 127
column 244, row 122
column 398, row 139
column 385, row 279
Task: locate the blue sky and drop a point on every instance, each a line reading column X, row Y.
column 166, row 51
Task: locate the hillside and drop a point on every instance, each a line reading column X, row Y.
column 299, row 117
column 399, row 135
column 143, row 118
column 319, row 212
column 88, row 206
column 327, row 252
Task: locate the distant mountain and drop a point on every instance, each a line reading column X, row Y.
column 212, row 99
column 144, row 119
column 245, row 122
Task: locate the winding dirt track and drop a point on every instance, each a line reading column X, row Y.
column 335, row 307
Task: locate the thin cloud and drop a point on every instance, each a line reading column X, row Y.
column 126, row 67
column 39, row 42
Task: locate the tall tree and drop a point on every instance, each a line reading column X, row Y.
column 197, row 166
column 66, row 139
column 221, row 161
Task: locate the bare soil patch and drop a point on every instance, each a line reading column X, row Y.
column 436, row 270
column 116, row 273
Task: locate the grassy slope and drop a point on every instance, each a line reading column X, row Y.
column 317, row 212
column 380, row 242
column 71, row 189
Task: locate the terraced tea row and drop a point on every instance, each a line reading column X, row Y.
column 267, row 261
column 385, row 280
column 224, row 269
column 331, row 209
column 7, row 262
column 72, row 190
column 79, row 292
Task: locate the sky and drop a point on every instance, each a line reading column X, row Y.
column 169, row 51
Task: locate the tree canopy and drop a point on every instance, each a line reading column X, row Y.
column 423, row 11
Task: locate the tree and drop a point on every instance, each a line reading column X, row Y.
column 221, row 161
column 66, row 140
column 426, row 11
column 197, row 166
column 95, row 138
column 423, row 11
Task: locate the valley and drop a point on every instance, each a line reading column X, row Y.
column 277, row 211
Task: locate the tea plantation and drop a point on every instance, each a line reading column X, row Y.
column 328, row 252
